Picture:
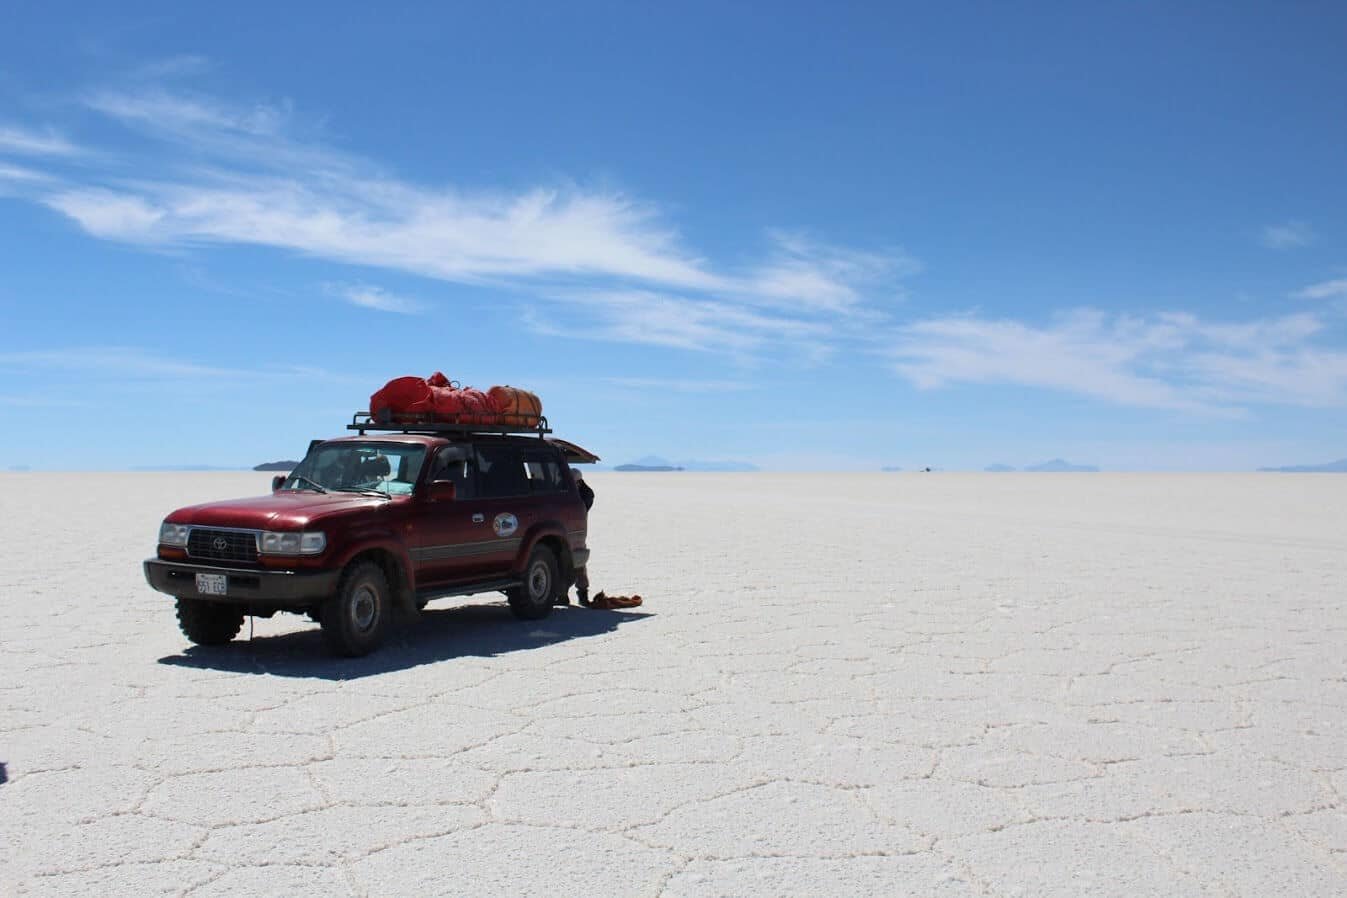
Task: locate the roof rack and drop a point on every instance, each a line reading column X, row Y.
column 424, row 423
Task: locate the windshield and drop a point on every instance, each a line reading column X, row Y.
column 388, row 468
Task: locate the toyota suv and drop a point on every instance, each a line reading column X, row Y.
column 379, row 521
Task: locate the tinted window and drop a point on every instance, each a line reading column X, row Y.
column 500, row 472
column 454, row 464
column 544, row 473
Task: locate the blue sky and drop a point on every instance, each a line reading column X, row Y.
column 821, row 237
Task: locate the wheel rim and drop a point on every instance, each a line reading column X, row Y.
column 364, row 609
column 539, row 580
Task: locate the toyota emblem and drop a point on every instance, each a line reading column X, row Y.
column 220, row 544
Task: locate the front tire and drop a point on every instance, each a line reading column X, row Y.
column 354, row 620
column 208, row 623
column 534, row 599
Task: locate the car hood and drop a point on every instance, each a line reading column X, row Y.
column 289, row 510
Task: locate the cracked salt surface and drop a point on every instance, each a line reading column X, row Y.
column 937, row 685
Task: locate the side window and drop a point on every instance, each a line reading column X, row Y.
column 544, row 473
column 453, row 464
column 500, row 472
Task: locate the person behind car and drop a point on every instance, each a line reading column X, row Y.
column 581, row 575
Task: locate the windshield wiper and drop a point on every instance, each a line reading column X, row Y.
column 364, row 491
column 316, row 485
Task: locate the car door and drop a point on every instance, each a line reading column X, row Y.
column 506, row 503
column 448, row 538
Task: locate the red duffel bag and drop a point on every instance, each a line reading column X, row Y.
column 401, row 396
column 476, row 406
column 466, row 406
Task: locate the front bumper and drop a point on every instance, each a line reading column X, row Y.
column 245, row 586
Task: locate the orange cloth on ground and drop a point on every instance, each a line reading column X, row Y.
column 608, row 603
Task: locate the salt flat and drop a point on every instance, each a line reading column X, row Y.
column 911, row 684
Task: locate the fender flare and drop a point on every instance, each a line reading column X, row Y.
column 359, row 543
column 536, row 534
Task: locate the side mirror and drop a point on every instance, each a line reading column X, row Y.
column 443, row 490
column 277, row 481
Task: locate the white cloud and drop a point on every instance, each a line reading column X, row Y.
column 248, row 180
column 1324, row 290
column 25, row 142
column 682, row 322
column 1172, row 361
column 606, row 265
column 805, row 273
column 108, row 213
column 187, row 114
column 544, row 233
column 133, row 363
column 1287, row 235
column 378, row 298
column 18, row 175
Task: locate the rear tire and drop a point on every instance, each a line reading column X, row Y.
column 208, row 623
column 354, row 620
column 542, row 584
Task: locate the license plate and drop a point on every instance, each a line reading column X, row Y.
column 211, row 584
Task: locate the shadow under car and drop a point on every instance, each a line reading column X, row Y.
column 466, row 631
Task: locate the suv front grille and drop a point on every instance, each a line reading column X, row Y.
column 222, row 545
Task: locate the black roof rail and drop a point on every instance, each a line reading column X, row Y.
column 428, row 424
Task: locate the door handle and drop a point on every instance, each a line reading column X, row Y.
column 478, row 518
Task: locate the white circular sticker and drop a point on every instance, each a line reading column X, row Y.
column 505, row 524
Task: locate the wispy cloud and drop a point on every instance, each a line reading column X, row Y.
column 1287, row 235
column 604, row 264
column 257, row 175
column 188, row 114
column 682, row 322
column 134, row 363
column 804, row 272
column 17, row 174
column 1169, row 361
column 377, row 298
column 1324, row 290
column 26, row 142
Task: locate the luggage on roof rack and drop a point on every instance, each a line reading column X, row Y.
column 437, row 399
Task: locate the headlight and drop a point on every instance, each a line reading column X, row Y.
column 173, row 534
column 274, row 543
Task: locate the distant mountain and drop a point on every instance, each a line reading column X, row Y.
column 276, row 466
column 657, row 462
column 1332, row 467
column 652, row 461
column 999, row 469
column 655, row 468
column 890, row 469
column 1058, row 465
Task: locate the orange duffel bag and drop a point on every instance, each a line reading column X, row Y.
column 516, row 406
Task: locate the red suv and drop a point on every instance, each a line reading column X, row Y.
column 377, row 521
